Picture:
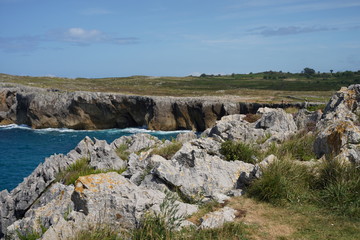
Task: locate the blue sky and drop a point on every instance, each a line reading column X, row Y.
column 93, row 38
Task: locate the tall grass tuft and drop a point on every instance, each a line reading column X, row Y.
column 161, row 225
column 338, row 187
column 238, row 151
column 299, row 147
column 168, row 151
column 282, row 181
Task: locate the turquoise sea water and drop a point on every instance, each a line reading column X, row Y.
column 23, row 148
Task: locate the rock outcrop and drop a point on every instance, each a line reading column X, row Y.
column 41, row 108
column 339, row 132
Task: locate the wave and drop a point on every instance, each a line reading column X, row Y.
column 15, row 126
column 112, row 130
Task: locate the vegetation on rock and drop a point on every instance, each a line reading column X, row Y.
column 80, row 168
column 238, row 151
column 168, row 151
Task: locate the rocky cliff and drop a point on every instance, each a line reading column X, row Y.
column 41, row 108
column 197, row 172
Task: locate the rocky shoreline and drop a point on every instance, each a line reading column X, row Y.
column 197, row 172
column 50, row 108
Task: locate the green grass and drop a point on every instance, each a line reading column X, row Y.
column 80, row 168
column 338, row 187
column 238, row 151
column 299, row 147
column 168, row 151
column 122, row 152
column 282, row 181
column 276, row 87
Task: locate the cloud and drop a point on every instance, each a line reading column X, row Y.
column 76, row 36
column 95, row 11
column 82, row 36
column 289, row 30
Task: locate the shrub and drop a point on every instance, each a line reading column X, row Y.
column 238, row 151
column 338, row 186
column 168, row 151
column 282, row 181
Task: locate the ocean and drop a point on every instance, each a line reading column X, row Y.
column 23, row 148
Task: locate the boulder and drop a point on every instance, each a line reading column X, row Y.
column 218, row 218
column 340, row 138
column 276, row 120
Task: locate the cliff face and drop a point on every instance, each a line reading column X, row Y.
column 40, row 108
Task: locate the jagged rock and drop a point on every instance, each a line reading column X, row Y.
column 186, row 137
column 233, row 127
column 338, row 131
column 26, row 193
column 104, row 157
column 218, row 218
column 116, row 200
column 137, row 142
column 275, row 125
column 307, row 120
column 52, row 206
column 198, row 174
column 276, row 120
column 341, row 137
column 343, row 105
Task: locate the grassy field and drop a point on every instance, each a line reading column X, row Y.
column 259, row 87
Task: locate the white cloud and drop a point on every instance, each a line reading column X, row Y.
column 81, row 35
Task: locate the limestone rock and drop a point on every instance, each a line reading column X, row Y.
column 198, row 174
column 19, row 200
column 104, row 157
column 307, row 120
column 137, row 142
column 116, row 200
column 186, row 137
column 341, row 137
column 276, row 120
column 218, row 218
column 52, row 206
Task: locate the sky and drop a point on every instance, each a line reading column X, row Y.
column 119, row 38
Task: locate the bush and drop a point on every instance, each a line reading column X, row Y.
column 238, row 151
column 168, row 151
column 282, row 181
column 338, row 187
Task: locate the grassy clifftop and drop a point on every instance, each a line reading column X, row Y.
column 258, row 87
